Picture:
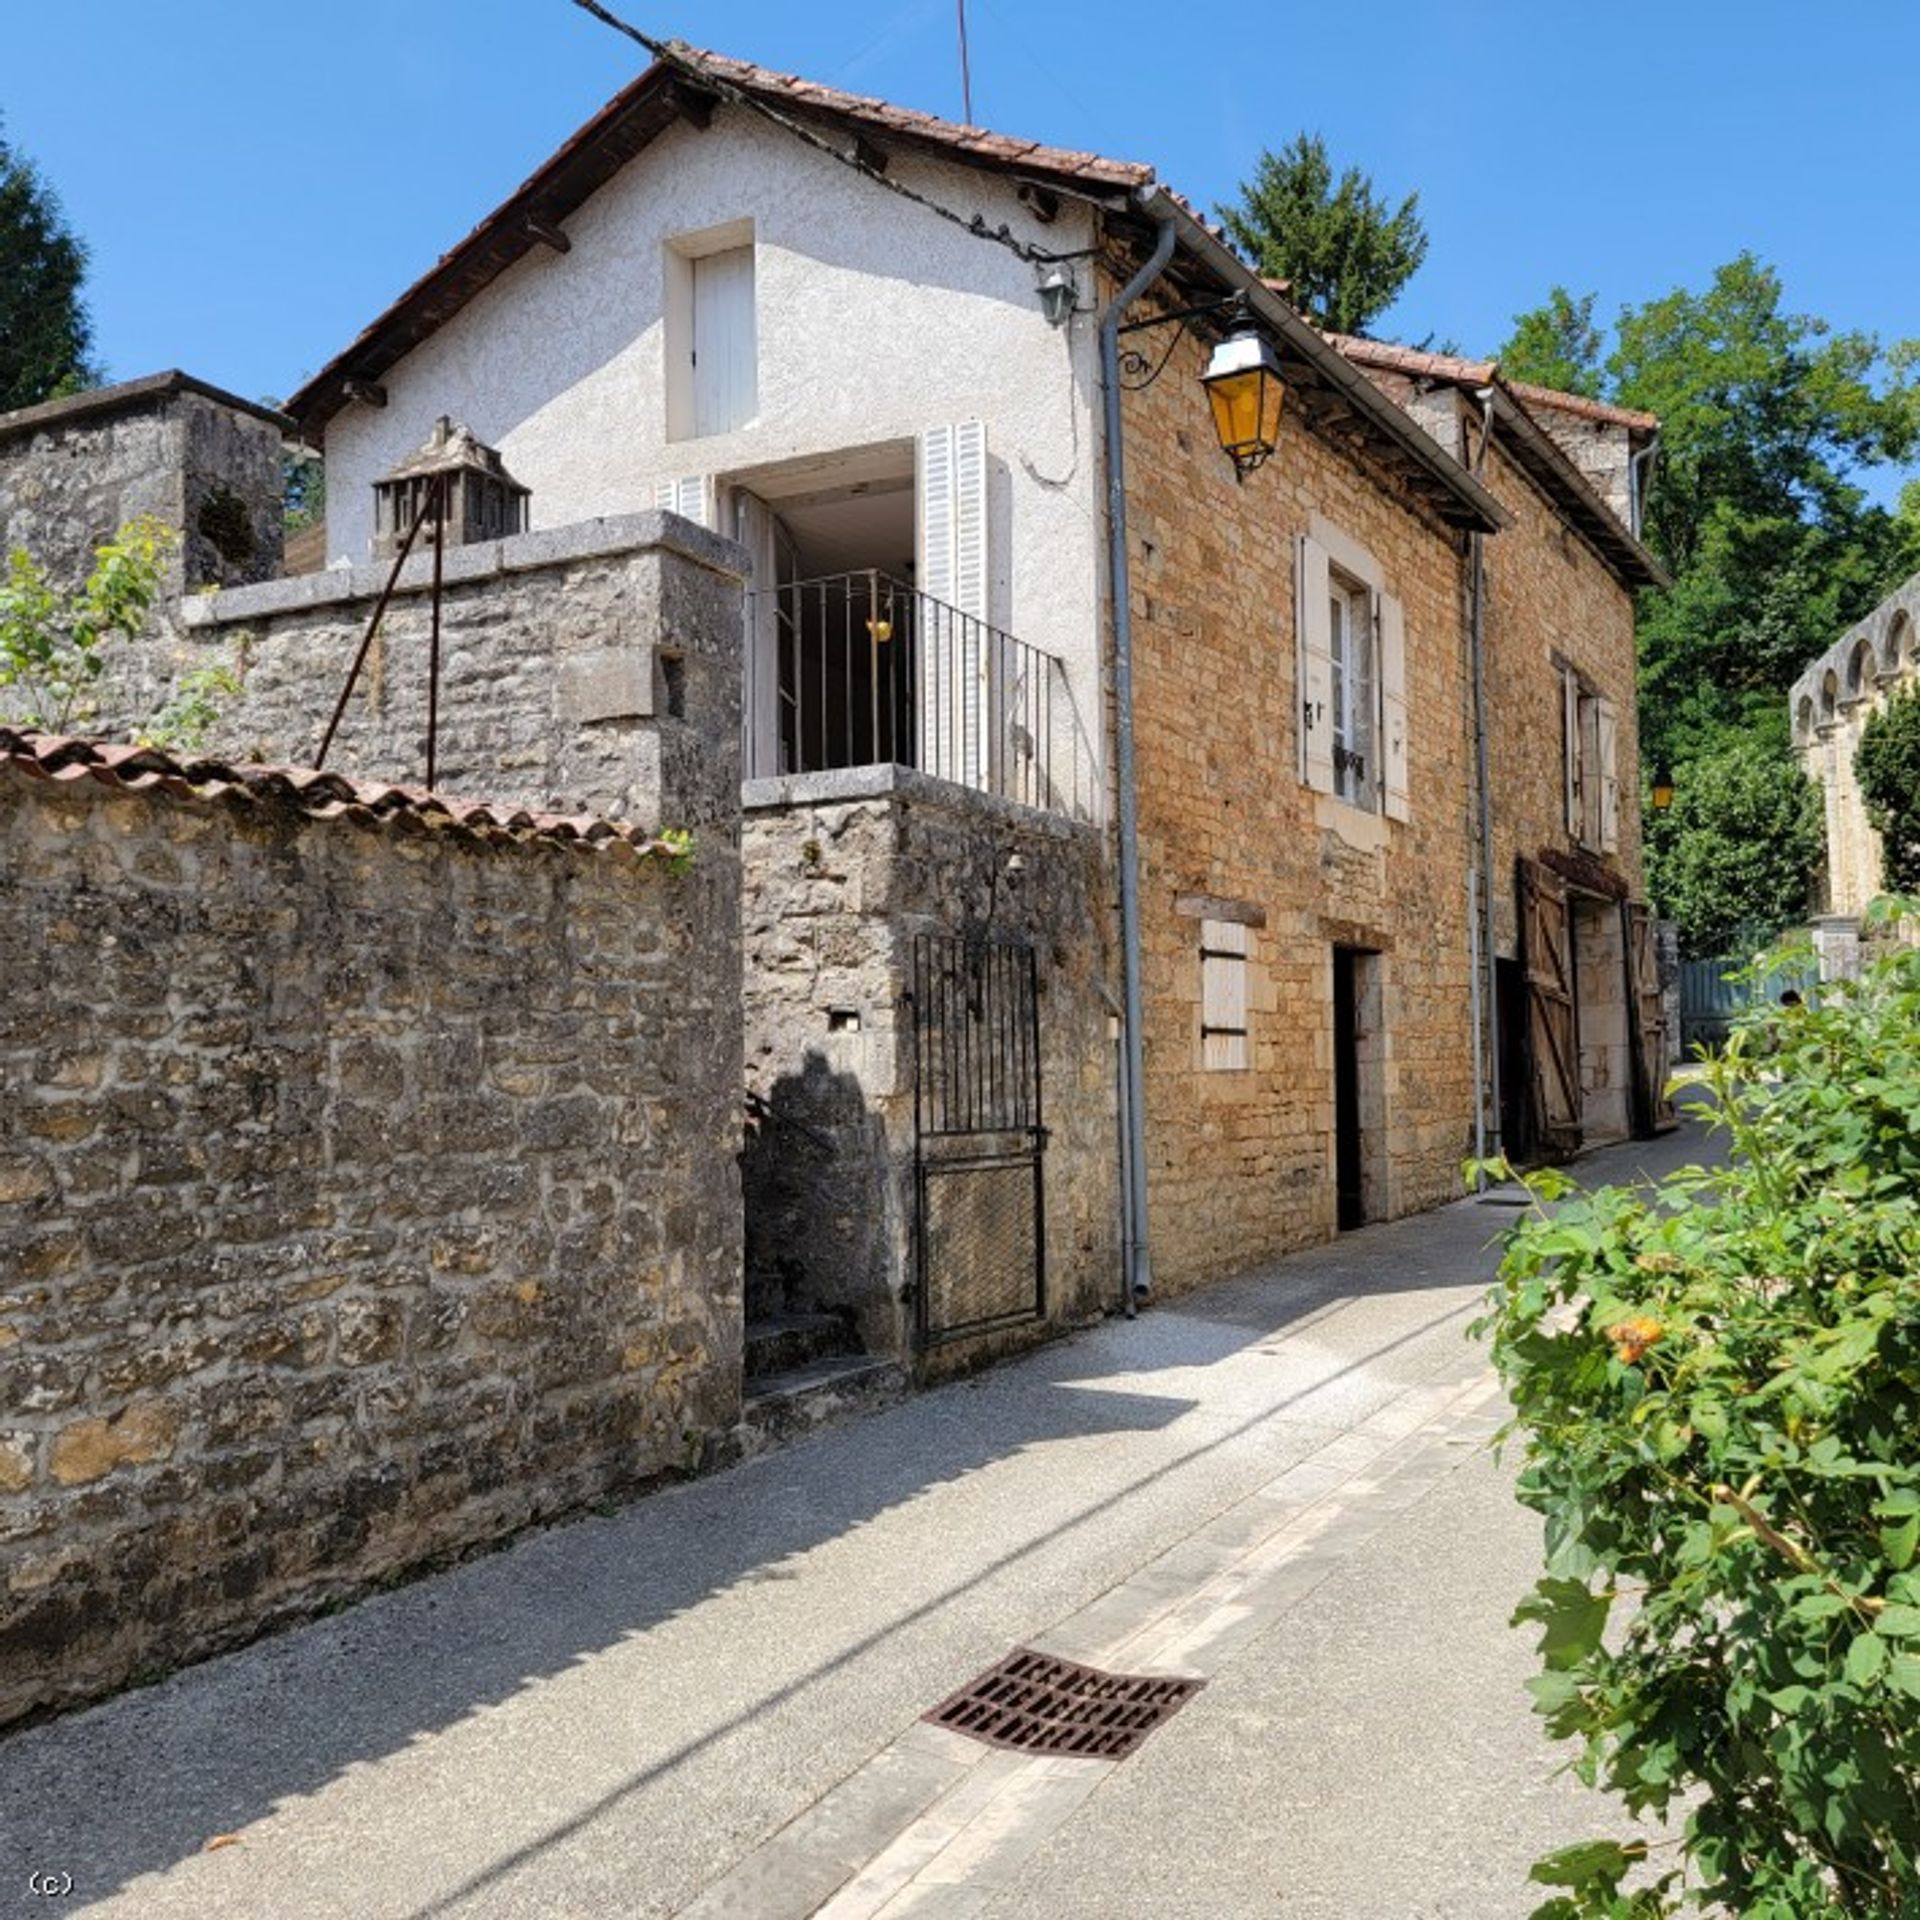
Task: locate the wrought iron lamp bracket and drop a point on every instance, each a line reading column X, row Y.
column 1138, row 372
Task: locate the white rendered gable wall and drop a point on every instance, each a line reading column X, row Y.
column 873, row 321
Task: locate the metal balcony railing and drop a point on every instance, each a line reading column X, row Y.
column 871, row 672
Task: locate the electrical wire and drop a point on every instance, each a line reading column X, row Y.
column 682, row 58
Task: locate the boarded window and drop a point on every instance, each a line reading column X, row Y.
column 1224, row 1038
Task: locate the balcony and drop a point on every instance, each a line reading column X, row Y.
column 860, row 670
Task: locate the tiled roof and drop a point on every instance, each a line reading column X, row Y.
column 970, row 142
column 1578, row 403
column 324, row 796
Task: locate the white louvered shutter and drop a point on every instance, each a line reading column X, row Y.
column 955, row 658
column 756, row 529
column 1313, row 676
column 1392, row 627
column 725, row 377
column 1576, row 801
column 1609, row 735
column 691, row 498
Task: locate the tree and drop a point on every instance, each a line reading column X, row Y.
column 1730, row 861
column 1887, row 765
column 1769, row 418
column 46, row 338
column 1342, row 252
column 1557, row 345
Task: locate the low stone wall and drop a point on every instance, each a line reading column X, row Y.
column 369, row 1190
column 593, row 666
column 842, row 872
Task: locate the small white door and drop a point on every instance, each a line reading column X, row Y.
column 725, row 380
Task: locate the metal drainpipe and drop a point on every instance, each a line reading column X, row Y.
column 1489, row 1091
column 1139, row 1266
column 1638, row 482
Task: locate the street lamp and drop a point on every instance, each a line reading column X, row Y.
column 1246, row 392
column 1662, row 788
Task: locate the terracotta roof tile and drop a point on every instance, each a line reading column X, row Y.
column 323, row 795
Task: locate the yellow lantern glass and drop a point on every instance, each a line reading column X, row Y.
column 1246, row 393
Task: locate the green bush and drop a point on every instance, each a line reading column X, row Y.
column 1717, row 1378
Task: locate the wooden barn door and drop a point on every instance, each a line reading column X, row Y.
column 1653, row 1044
column 1553, row 1035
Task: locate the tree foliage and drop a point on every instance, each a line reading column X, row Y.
column 46, row 338
column 1887, row 766
column 1343, row 252
column 1730, row 862
column 1718, row 1383
column 1769, row 419
column 1557, row 345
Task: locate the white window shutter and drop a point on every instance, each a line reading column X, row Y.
column 952, row 570
column 1394, row 790
column 1570, row 706
column 1224, row 1035
column 1313, row 678
column 725, row 378
column 1609, row 731
column 691, row 498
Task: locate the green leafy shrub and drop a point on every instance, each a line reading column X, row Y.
column 1718, row 1382
column 51, row 641
column 1887, row 765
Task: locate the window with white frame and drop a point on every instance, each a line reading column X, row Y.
column 1350, row 636
column 1592, row 749
column 713, row 382
column 1350, row 675
column 1225, row 1035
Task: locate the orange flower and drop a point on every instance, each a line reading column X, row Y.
column 1631, row 1338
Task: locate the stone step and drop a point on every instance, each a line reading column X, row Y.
column 779, row 1342
column 818, row 1394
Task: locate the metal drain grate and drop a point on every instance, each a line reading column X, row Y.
column 1036, row 1703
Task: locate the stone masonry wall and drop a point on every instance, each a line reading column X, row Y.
column 1242, row 1162
column 208, row 464
column 370, row 1190
column 837, row 890
column 593, row 667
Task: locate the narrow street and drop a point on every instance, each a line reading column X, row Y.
column 709, row 1703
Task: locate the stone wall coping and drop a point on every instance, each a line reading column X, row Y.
column 653, row 530
column 853, row 784
column 129, row 396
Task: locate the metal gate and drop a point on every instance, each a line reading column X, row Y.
column 980, row 1211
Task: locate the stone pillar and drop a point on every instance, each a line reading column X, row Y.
column 1836, row 939
column 207, row 463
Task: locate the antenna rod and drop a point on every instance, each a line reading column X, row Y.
column 966, row 76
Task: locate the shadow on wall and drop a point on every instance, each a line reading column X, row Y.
column 821, row 1225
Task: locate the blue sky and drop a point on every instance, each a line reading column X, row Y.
column 257, row 180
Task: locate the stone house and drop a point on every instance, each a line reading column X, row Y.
column 1830, row 705
column 1048, row 708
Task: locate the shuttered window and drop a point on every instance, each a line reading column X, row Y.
column 1225, row 1042
column 1592, row 741
column 1351, row 681
column 955, row 656
column 691, row 498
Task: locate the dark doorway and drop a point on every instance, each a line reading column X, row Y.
column 1510, row 987
column 1349, row 1140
